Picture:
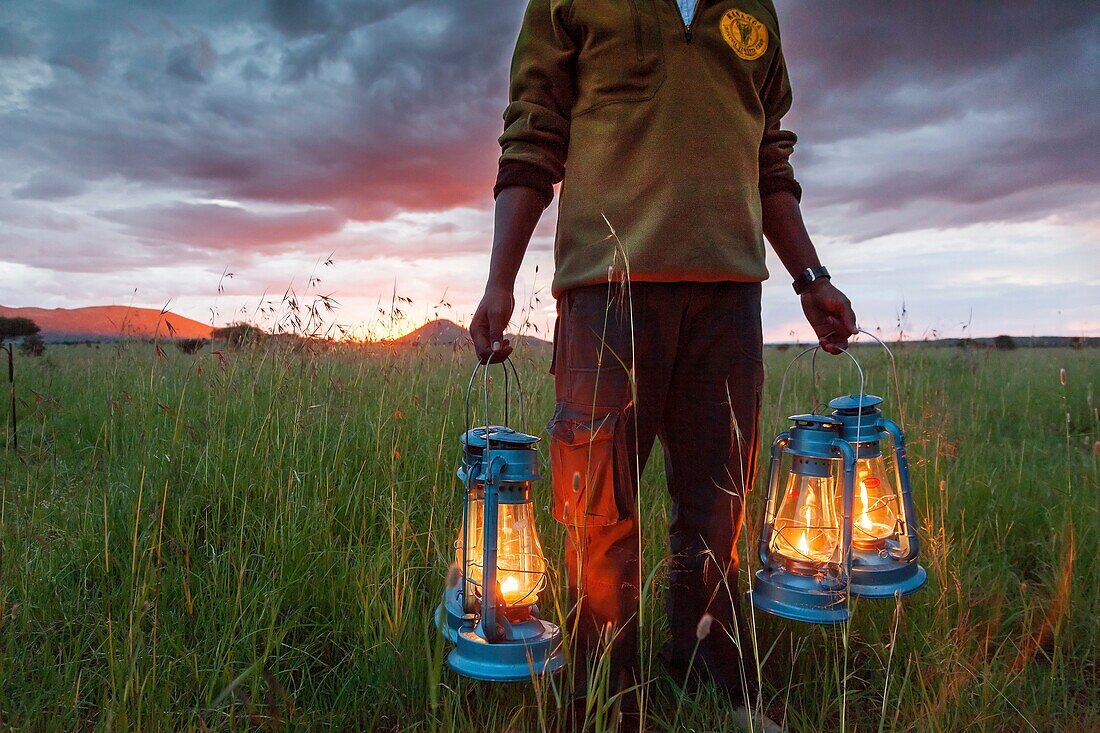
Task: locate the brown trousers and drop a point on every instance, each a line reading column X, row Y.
column 697, row 374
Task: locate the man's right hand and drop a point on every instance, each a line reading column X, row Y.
column 490, row 320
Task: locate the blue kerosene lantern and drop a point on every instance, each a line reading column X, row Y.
column 805, row 542
column 836, row 522
column 885, row 544
column 490, row 607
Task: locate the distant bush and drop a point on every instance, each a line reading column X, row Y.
column 16, row 327
column 239, row 334
column 1004, row 343
column 33, row 345
column 191, row 346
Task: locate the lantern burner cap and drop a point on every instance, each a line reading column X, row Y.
column 852, row 404
column 499, row 437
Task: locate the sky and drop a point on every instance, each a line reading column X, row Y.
column 213, row 155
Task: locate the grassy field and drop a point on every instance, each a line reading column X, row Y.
column 257, row 540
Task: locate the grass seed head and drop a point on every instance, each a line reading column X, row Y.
column 702, row 629
column 453, row 574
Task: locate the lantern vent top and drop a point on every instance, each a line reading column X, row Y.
column 499, row 437
column 815, row 422
column 852, row 404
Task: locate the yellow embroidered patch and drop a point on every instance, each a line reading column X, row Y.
column 746, row 35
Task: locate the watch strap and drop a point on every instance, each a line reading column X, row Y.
column 808, row 276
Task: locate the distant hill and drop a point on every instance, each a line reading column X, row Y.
column 448, row 333
column 435, row 333
column 108, row 322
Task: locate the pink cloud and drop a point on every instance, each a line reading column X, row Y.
column 214, row 226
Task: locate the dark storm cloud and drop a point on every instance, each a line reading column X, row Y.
column 911, row 115
column 863, row 41
column 960, row 105
column 372, row 108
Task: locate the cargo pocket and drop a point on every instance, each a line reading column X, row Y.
column 584, row 457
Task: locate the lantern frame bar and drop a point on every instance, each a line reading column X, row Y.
column 770, row 505
column 491, row 598
column 905, row 487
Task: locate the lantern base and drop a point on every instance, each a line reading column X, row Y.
column 533, row 649
column 797, row 597
column 449, row 615
column 875, row 576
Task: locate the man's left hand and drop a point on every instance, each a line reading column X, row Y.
column 830, row 313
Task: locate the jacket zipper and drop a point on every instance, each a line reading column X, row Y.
column 637, row 29
column 688, row 27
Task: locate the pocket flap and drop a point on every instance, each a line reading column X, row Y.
column 586, row 459
column 577, row 431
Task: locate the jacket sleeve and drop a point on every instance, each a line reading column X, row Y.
column 777, row 144
column 540, row 98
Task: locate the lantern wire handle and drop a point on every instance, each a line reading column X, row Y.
column 469, row 391
column 783, row 386
column 893, row 371
column 786, row 374
column 519, row 394
column 506, row 400
column 506, row 365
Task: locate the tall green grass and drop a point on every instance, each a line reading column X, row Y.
column 258, row 538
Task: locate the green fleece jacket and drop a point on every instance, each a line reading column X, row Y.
column 669, row 129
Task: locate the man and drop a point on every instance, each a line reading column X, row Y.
column 661, row 118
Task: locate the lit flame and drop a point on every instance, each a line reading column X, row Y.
column 864, row 520
column 509, row 588
column 804, row 535
column 874, row 518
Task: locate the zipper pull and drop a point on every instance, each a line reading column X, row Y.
column 687, row 33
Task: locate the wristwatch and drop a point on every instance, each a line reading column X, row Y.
column 807, row 276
